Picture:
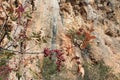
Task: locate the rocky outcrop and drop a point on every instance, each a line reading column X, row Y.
column 51, row 21
column 103, row 17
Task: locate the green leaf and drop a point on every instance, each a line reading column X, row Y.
column 44, row 40
column 29, row 16
column 13, row 18
column 18, row 75
column 9, row 37
column 0, row 78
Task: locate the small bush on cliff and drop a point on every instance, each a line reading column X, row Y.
column 53, row 63
column 98, row 71
column 81, row 38
column 4, row 67
column 49, row 69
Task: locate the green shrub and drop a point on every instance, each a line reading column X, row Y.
column 98, row 71
column 49, row 68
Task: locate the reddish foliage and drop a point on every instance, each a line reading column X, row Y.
column 84, row 44
column 87, row 39
column 78, row 33
column 47, row 52
column 81, row 29
column 91, row 30
column 59, row 56
column 5, row 69
column 19, row 12
column 78, row 62
column 76, row 58
column 87, row 36
column 78, row 70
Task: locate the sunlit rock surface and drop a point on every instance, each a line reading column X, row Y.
column 54, row 17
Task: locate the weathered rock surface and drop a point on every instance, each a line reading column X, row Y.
column 54, row 17
column 103, row 17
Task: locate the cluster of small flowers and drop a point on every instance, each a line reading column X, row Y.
column 59, row 56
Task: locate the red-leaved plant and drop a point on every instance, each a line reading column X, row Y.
column 87, row 37
column 81, row 35
column 84, row 37
column 5, row 70
column 59, row 57
column 19, row 12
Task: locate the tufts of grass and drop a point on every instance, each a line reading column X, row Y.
column 4, row 57
column 49, row 69
column 98, row 71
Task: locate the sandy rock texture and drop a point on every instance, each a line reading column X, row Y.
column 52, row 19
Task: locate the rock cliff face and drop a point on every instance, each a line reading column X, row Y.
column 51, row 22
column 103, row 16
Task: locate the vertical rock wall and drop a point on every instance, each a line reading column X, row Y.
column 53, row 18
